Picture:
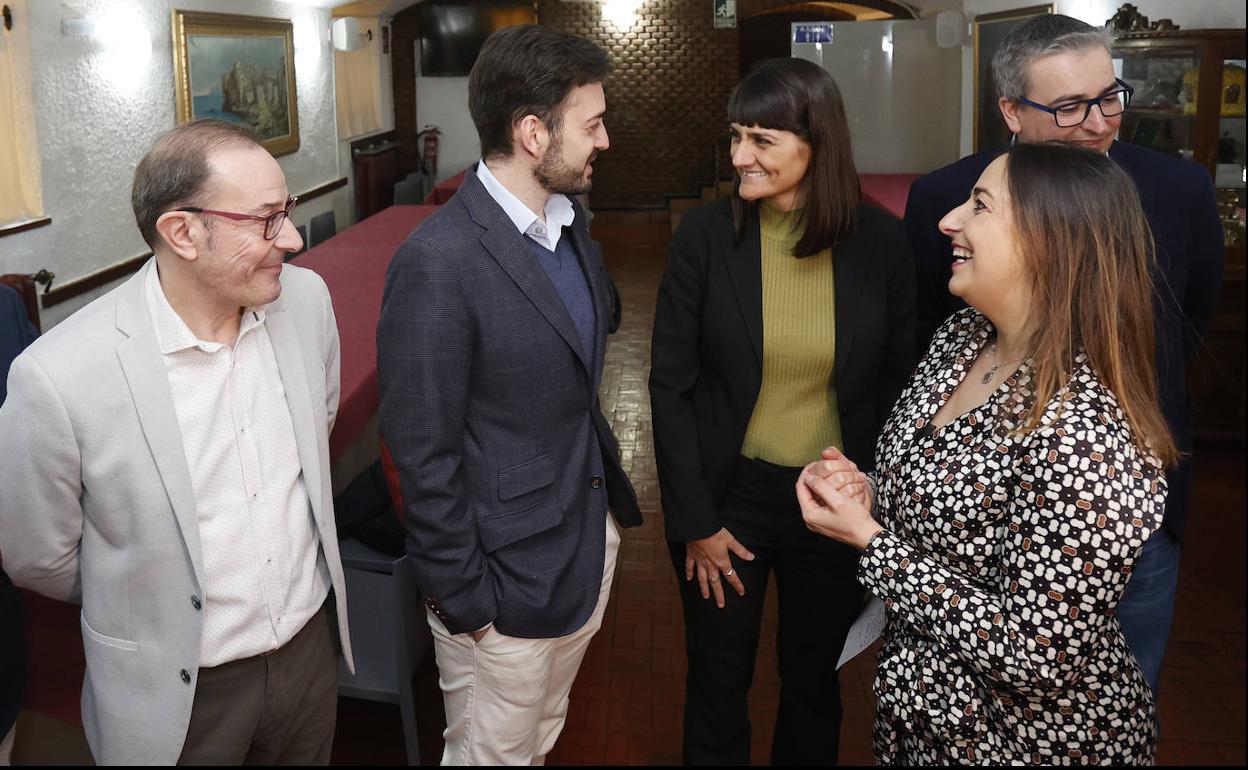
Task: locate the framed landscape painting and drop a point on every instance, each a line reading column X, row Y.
column 237, row 68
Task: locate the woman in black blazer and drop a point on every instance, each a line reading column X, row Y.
column 749, row 371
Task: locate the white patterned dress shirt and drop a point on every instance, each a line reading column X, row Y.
column 265, row 576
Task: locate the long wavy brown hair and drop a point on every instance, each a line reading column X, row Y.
column 1087, row 246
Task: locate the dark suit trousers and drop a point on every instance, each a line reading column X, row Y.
column 279, row 708
column 819, row 599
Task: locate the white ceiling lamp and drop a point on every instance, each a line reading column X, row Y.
column 621, row 14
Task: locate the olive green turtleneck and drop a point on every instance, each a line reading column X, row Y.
column 795, row 416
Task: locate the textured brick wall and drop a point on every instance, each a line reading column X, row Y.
column 665, row 100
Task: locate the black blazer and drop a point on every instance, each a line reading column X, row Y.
column 707, row 352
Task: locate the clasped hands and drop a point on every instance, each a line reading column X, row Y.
column 835, row 498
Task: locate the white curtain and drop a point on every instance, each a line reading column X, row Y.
column 19, row 149
column 357, row 84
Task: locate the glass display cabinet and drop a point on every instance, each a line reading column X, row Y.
column 1189, row 102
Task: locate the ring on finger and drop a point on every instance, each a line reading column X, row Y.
column 714, row 580
column 730, row 573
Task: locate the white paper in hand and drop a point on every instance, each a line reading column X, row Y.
column 866, row 629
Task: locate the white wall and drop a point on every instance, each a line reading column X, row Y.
column 897, row 96
column 1188, row 14
column 98, row 110
column 443, row 102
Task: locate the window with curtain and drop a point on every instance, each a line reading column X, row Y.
column 357, row 85
column 19, row 149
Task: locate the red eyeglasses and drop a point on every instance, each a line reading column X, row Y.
column 272, row 223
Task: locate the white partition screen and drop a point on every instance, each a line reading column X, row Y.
column 902, row 92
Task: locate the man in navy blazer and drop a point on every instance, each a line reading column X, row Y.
column 1057, row 80
column 490, row 350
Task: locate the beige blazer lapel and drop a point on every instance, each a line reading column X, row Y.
column 139, row 355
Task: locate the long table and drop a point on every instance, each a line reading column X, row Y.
column 443, row 191
column 353, row 264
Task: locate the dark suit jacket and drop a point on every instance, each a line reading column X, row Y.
column 490, row 411
column 16, row 332
column 707, row 354
column 1177, row 198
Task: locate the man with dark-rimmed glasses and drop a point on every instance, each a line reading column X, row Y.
column 166, row 464
column 1057, row 82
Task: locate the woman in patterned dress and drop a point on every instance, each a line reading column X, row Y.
column 1017, row 480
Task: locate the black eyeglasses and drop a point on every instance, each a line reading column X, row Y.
column 1071, row 114
column 272, row 223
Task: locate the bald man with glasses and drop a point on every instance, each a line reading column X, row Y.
column 1057, row 82
column 166, row 465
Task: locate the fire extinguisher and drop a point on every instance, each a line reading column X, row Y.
column 429, row 149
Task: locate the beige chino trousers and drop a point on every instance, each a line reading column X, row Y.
column 506, row 699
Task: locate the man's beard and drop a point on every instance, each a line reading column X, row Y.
column 557, row 177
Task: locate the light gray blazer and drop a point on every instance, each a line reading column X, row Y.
column 96, row 504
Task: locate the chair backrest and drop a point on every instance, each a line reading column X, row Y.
column 407, row 192
column 321, row 228
column 423, row 181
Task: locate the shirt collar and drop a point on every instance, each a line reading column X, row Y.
column 558, row 214
column 172, row 333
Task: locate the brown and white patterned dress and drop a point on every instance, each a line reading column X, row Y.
column 1002, row 560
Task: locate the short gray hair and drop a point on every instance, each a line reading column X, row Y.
column 1036, row 37
column 176, row 169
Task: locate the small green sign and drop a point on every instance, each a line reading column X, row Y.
column 725, row 14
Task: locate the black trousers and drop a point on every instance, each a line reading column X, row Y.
column 819, row 599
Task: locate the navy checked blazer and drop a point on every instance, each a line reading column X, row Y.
column 490, row 410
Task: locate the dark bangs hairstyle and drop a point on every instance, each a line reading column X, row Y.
column 800, row 96
column 1089, row 252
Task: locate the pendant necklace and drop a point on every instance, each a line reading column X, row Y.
column 992, row 351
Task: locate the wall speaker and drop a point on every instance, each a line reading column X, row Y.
column 950, row 29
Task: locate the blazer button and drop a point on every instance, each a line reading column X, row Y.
column 186, row 676
column 196, row 603
column 595, row 482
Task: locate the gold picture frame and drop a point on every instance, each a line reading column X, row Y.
column 239, row 68
column 990, row 30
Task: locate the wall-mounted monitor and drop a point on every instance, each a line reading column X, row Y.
column 452, row 31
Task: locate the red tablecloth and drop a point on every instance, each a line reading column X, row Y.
column 443, row 191
column 353, row 264
column 888, row 191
